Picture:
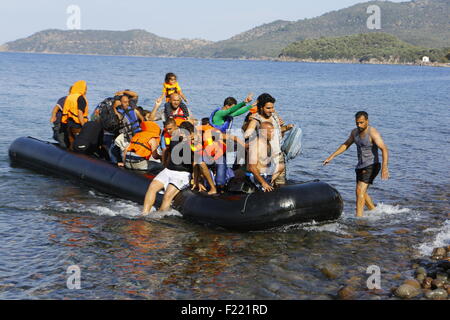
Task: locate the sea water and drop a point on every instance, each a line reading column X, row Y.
column 48, row 224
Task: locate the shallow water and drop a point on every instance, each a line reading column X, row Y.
column 48, row 224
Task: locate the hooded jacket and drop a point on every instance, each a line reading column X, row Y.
column 70, row 109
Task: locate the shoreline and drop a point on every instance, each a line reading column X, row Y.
column 373, row 62
column 280, row 59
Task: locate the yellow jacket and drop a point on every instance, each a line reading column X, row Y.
column 70, row 109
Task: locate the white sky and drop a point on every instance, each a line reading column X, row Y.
column 176, row 19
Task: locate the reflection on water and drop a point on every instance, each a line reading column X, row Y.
column 48, row 224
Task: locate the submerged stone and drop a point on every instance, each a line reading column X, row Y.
column 406, row 291
column 438, row 294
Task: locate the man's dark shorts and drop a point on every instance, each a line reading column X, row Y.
column 368, row 174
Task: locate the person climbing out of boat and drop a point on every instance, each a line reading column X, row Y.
column 141, row 154
column 90, row 140
column 368, row 140
column 207, row 147
column 59, row 129
column 176, row 176
column 175, row 108
column 266, row 113
column 263, row 166
column 171, row 86
column 222, row 119
column 75, row 111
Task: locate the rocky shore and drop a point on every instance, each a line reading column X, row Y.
column 431, row 278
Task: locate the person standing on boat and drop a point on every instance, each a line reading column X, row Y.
column 368, row 140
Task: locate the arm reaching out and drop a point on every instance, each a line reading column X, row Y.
column 158, row 103
column 341, row 149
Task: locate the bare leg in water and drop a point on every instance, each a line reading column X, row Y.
column 150, row 196
column 169, row 195
column 361, row 191
column 369, row 203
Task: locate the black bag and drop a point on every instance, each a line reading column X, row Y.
column 109, row 120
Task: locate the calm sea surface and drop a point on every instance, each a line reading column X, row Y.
column 48, row 224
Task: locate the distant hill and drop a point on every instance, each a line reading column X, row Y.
column 133, row 42
column 423, row 23
column 379, row 47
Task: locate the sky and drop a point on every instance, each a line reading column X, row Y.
column 206, row 19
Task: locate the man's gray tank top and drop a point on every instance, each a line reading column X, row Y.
column 367, row 150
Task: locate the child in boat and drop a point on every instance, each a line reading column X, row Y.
column 170, row 86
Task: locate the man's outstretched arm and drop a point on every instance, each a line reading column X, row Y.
column 341, row 149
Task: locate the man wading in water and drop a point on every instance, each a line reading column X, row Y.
column 367, row 140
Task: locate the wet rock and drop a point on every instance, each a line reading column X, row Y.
column 427, row 283
column 446, row 287
column 442, row 276
column 439, row 253
column 438, row 294
column 420, row 277
column 437, row 283
column 412, row 283
column 346, row 293
column 331, row 271
column 421, row 270
column 406, row 291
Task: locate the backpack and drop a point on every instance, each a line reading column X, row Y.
column 108, row 118
column 292, row 143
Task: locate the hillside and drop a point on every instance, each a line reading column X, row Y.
column 380, row 47
column 133, row 42
column 422, row 23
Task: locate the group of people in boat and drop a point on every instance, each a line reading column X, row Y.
column 201, row 153
column 183, row 151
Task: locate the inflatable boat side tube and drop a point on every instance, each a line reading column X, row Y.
column 289, row 204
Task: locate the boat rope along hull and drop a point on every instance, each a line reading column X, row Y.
column 290, row 204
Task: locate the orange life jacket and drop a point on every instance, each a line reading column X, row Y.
column 70, row 109
column 213, row 148
column 179, row 120
column 140, row 143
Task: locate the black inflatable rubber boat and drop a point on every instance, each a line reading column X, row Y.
column 294, row 203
